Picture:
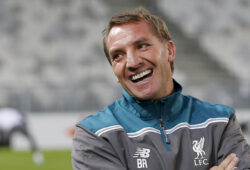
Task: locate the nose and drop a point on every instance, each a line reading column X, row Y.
column 134, row 60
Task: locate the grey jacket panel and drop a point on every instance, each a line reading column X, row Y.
column 91, row 152
column 233, row 141
column 116, row 149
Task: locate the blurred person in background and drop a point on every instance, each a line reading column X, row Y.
column 12, row 122
column 154, row 126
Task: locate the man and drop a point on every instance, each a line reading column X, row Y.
column 153, row 126
column 12, row 123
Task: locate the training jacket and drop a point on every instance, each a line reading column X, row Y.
column 175, row 133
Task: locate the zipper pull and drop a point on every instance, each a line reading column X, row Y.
column 163, row 129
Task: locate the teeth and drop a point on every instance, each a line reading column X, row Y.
column 140, row 75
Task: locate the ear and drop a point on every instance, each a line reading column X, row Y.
column 171, row 50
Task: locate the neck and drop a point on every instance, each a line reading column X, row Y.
column 168, row 91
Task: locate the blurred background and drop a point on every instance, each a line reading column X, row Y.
column 54, row 71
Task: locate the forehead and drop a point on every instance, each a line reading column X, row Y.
column 130, row 31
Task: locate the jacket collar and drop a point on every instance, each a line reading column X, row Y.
column 167, row 107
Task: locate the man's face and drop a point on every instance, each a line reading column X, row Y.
column 140, row 61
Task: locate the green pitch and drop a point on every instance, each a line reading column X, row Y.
column 22, row 160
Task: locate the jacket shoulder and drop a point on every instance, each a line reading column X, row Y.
column 202, row 111
column 102, row 119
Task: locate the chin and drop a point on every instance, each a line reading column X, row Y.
column 143, row 94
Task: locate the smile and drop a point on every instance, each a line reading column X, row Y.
column 141, row 75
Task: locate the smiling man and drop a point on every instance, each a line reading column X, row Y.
column 153, row 126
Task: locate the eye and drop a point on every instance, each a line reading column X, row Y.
column 116, row 56
column 143, row 46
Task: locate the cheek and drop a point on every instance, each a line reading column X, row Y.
column 118, row 70
column 154, row 55
column 150, row 56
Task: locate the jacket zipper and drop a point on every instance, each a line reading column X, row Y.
column 163, row 134
column 163, row 130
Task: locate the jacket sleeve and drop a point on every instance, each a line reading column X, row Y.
column 91, row 152
column 233, row 141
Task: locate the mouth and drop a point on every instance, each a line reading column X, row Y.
column 141, row 76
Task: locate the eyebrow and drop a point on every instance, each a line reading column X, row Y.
column 143, row 39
